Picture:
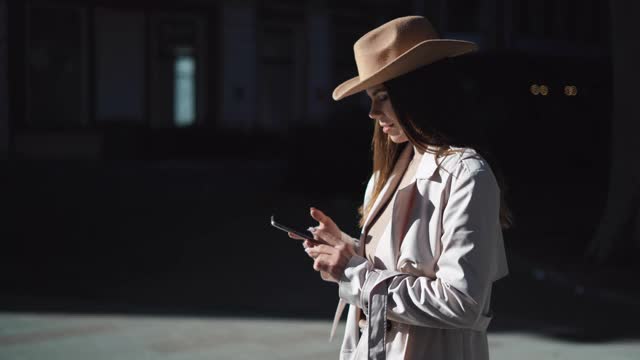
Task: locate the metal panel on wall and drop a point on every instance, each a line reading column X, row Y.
column 120, row 66
column 56, row 57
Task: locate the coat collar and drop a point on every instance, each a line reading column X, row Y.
column 428, row 166
column 427, row 170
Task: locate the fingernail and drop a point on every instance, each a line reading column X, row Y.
column 307, row 250
column 311, row 229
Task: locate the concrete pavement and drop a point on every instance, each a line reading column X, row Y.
column 33, row 336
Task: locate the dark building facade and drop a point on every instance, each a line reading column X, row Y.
column 81, row 72
column 175, row 81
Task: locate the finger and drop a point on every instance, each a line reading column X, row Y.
column 325, row 237
column 321, row 263
column 312, row 254
column 310, row 244
column 319, row 216
column 294, row 236
column 321, row 249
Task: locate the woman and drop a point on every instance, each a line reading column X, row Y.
column 419, row 279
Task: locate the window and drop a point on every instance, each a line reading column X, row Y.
column 184, row 99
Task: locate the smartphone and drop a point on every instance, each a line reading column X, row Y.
column 297, row 232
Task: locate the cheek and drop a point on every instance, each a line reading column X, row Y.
column 389, row 114
column 397, row 135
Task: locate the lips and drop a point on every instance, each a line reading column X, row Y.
column 386, row 127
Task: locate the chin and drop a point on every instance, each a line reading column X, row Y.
column 398, row 139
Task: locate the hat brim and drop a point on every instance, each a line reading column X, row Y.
column 421, row 54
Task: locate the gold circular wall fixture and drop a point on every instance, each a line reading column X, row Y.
column 571, row 90
column 534, row 89
column 544, row 90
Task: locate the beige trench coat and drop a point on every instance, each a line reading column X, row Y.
column 433, row 299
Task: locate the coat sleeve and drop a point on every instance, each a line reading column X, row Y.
column 455, row 298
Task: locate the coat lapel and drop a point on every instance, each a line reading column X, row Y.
column 402, row 209
column 390, row 186
column 404, row 206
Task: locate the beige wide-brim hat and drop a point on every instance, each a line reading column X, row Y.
column 396, row 48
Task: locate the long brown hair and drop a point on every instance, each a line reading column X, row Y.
column 433, row 107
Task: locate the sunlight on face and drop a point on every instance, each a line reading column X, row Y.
column 382, row 111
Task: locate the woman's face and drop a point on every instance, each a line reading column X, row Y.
column 384, row 115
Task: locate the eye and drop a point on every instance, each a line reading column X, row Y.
column 382, row 96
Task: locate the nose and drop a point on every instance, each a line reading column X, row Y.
column 374, row 112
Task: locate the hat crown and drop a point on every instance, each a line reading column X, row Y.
column 385, row 43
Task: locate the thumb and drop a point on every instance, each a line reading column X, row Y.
column 319, row 216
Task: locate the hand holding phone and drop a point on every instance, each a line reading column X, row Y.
column 299, row 233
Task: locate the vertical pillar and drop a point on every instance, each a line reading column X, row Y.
column 320, row 82
column 510, row 12
column 239, row 65
column 490, row 24
column 4, row 94
column 620, row 223
column 536, row 19
column 431, row 10
column 418, row 7
column 444, row 17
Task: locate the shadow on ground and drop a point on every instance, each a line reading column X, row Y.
column 194, row 238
